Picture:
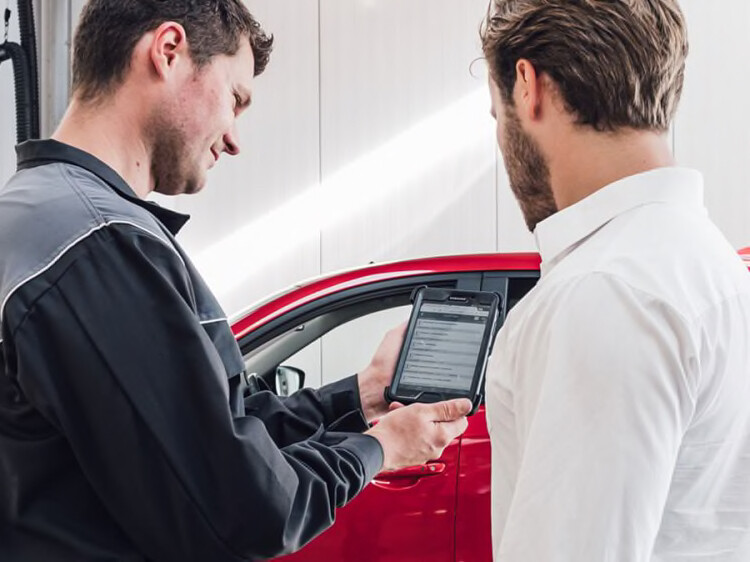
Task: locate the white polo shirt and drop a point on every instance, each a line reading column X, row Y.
column 618, row 393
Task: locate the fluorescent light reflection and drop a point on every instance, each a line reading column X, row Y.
column 420, row 222
column 453, row 133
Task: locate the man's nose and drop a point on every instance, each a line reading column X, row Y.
column 231, row 142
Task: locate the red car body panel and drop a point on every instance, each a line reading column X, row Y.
column 452, row 493
column 473, row 525
column 390, row 525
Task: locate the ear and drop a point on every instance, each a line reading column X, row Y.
column 528, row 91
column 169, row 48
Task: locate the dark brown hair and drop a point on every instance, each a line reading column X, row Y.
column 109, row 30
column 616, row 63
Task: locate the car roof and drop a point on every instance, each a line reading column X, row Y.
column 262, row 312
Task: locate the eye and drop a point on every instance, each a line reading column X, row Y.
column 237, row 101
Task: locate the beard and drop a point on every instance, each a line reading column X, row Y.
column 528, row 172
column 173, row 169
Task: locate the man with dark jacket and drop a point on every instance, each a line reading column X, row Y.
column 126, row 428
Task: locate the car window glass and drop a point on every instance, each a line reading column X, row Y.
column 346, row 349
column 308, row 359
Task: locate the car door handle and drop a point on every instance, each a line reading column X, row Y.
column 410, row 473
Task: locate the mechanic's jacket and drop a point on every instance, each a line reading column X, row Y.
column 124, row 434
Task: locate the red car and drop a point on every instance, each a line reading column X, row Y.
column 438, row 512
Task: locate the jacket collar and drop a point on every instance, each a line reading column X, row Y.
column 35, row 153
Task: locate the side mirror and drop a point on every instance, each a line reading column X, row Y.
column 289, row 380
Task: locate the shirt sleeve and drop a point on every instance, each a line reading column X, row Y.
column 113, row 356
column 599, row 424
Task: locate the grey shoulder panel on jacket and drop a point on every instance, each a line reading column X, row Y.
column 48, row 210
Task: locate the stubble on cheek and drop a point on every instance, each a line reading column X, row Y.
column 528, row 172
column 173, row 169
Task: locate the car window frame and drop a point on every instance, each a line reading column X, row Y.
column 267, row 347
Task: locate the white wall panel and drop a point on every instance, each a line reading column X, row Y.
column 406, row 137
column 57, row 23
column 712, row 129
column 249, row 233
column 8, row 107
column 75, row 9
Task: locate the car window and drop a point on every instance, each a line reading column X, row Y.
column 309, row 361
column 335, row 337
column 349, row 348
column 346, row 349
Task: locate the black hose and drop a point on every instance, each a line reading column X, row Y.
column 28, row 43
column 15, row 53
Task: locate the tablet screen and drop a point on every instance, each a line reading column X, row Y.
column 445, row 346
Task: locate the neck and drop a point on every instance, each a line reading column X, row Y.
column 592, row 160
column 110, row 131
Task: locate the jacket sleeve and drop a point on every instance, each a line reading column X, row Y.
column 289, row 420
column 113, row 356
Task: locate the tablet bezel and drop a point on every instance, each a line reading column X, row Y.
column 407, row 394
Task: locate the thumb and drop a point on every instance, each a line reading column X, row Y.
column 395, row 406
column 450, row 410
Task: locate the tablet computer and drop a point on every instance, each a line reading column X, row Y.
column 447, row 343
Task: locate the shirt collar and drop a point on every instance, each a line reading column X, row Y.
column 35, row 153
column 560, row 232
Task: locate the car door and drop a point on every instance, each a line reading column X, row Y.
column 405, row 515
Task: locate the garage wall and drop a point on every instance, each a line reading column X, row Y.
column 712, row 129
column 53, row 25
column 370, row 139
column 7, row 108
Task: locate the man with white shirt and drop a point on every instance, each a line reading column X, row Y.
column 618, row 395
